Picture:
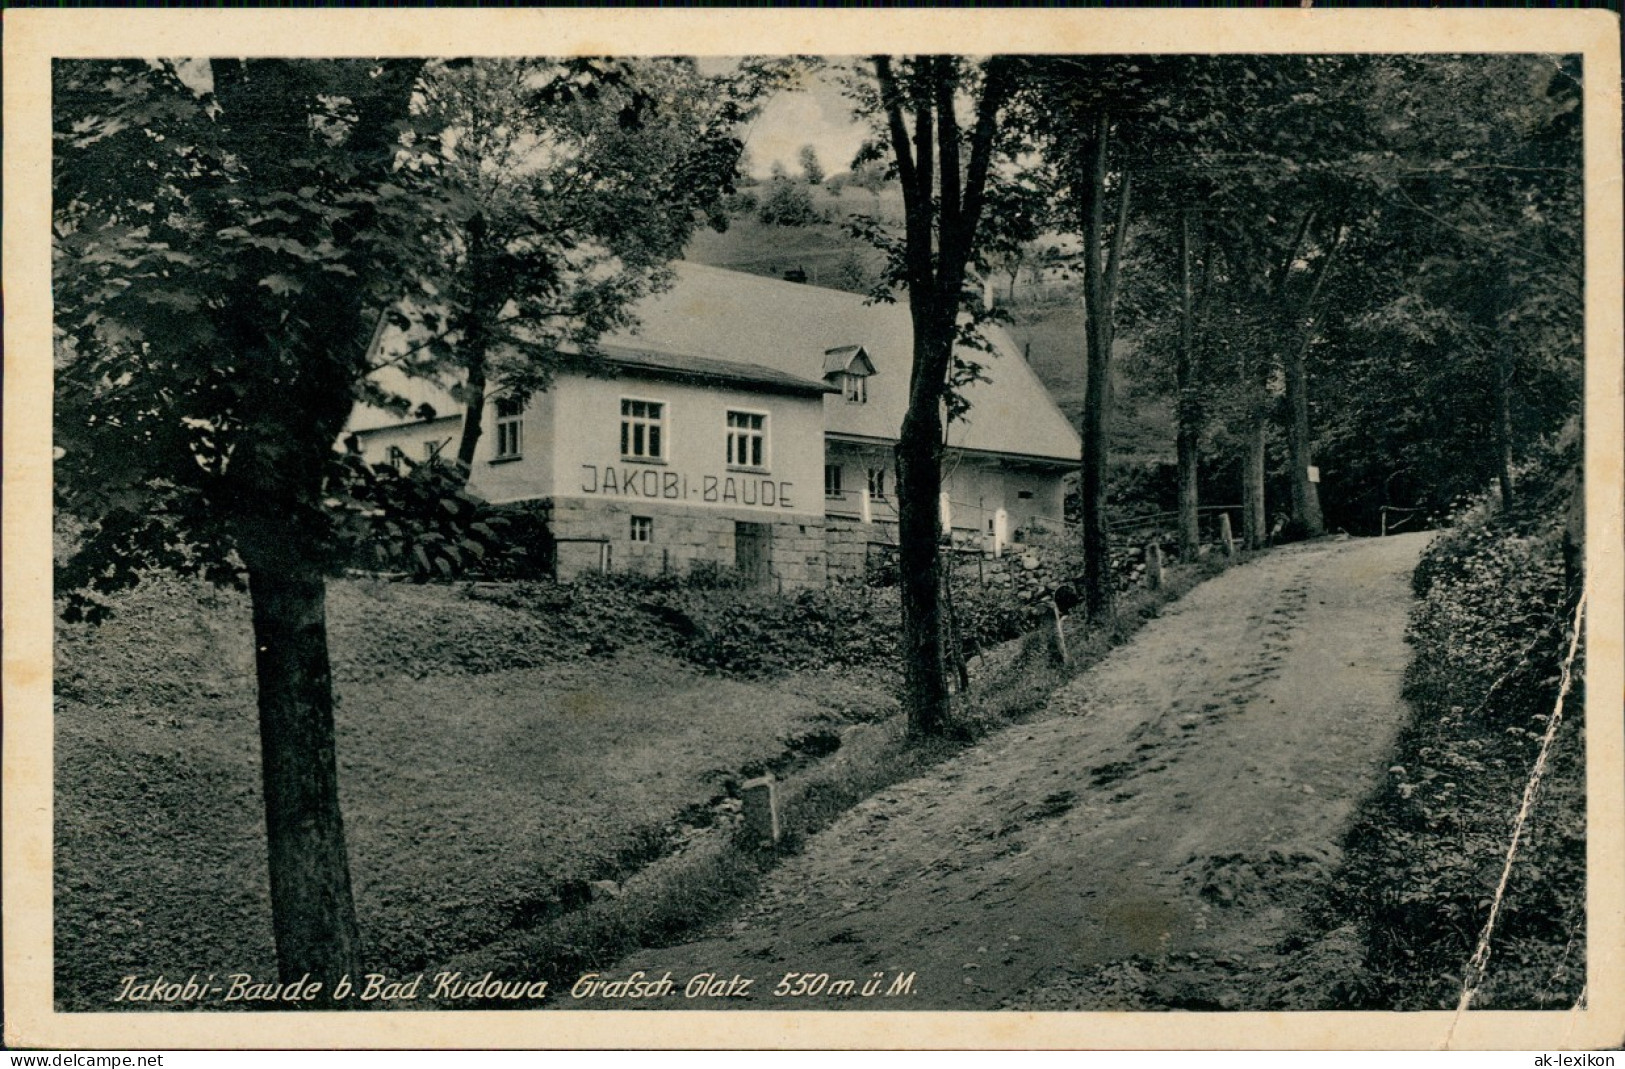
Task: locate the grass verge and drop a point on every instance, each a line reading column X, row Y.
column 1426, row 856
column 494, row 767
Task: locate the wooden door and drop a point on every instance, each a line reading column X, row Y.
column 751, row 542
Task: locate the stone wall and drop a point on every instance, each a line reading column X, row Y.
column 681, row 537
column 797, row 555
column 848, row 546
column 1031, row 570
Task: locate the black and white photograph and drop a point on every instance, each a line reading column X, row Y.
column 982, row 532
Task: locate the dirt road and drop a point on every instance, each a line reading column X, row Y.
column 1180, row 799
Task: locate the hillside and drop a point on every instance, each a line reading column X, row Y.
column 1046, row 320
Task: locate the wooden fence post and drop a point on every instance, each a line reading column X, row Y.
column 1060, row 633
column 1225, row 536
column 1153, row 566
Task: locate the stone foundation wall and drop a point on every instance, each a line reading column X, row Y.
column 682, row 537
column 847, row 546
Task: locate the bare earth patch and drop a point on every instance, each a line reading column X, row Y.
column 1179, row 800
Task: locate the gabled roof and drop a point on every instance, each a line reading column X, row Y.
column 641, row 361
column 761, row 333
column 851, row 358
column 793, row 327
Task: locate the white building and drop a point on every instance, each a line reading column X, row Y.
column 750, row 422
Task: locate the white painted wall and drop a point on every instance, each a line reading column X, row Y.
column 586, row 461
column 572, row 450
column 977, row 488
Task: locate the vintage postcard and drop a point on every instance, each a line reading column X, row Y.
column 730, row 528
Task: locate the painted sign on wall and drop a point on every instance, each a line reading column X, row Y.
column 657, row 484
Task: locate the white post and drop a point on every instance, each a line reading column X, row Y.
column 1001, row 532
column 864, row 512
column 761, row 810
column 946, row 511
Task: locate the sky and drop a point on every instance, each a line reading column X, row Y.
column 814, row 114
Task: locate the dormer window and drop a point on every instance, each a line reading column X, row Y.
column 849, row 367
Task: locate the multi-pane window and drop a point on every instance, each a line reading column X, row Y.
column 747, row 440
column 857, row 388
column 832, row 480
column 643, row 529
column 510, row 427
column 877, row 482
column 395, row 457
column 431, row 450
column 643, row 425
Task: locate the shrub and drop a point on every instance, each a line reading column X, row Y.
column 1490, row 635
column 740, row 204
column 713, row 619
column 788, row 204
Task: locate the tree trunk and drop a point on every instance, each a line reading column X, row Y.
column 1305, row 495
column 1100, row 281
column 928, row 169
column 473, row 413
column 475, row 346
column 953, row 638
column 1097, row 575
column 919, row 525
column 312, row 910
column 1188, row 403
column 300, row 401
column 1254, row 525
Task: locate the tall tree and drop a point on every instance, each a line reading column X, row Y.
column 226, row 235
column 1463, row 298
column 944, row 172
column 1187, row 399
column 1088, row 114
column 1269, row 139
column 1296, row 337
column 1102, row 258
column 811, row 169
column 564, row 201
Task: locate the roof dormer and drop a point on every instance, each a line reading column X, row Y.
column 849, row 367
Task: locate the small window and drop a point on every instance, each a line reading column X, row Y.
column 395, row 457
column 747, row 440
column 832, row 480
column 857, row 388
column 431, row 451
column 643, row 425
column 510, row 428
column 1024, row 495
column 643, row 529
column 877, row 483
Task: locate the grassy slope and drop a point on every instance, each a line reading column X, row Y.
column 751, row 247
column 478, row 798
